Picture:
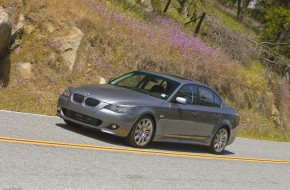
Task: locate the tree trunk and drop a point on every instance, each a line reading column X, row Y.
column 240, row 11
column 166, row 6
column 183, row 6
column 199, row 23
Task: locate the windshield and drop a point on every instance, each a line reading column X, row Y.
column 153, row 85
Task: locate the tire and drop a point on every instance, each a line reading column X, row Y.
column 142, row 132
column 219, row 141
column 71, row 124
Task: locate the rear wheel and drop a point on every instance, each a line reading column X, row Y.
column 142, row 132
column 219, row 141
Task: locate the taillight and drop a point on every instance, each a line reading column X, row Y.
column 238, row 119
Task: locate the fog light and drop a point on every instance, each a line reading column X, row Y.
column 114, row 126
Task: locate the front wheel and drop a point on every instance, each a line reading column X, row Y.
column 219, row 141
column 142, row 132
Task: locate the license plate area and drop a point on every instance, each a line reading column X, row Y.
column 82, row 118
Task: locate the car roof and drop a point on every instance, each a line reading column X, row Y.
column 172, row 77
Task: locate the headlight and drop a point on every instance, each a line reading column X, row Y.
column 66, row 93
column 119, row 109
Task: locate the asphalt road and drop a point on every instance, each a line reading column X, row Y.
column 41, row 152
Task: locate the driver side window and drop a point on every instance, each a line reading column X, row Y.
column 153, row 82
column 132, row 81
column 189, row 92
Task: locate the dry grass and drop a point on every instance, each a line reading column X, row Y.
column 117, row 41
column 258, row 126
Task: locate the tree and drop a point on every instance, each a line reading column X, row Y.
column 242, row 4
column 277, row 19
column 277, row 29
column 262, row 4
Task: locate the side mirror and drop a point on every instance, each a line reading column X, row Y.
column 181, row 100
column 110, row 80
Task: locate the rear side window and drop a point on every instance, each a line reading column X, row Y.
column 206, row 97
column 217, row 101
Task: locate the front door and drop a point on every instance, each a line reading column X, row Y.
column 181, row 119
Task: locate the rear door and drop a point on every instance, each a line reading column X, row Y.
column 209, row 109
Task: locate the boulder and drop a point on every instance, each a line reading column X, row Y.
column 146, row 4
column 70, row 40
column 102, row 80
column 5, row 32
column 25, row 70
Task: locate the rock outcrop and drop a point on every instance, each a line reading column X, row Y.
column 5, row 32
column 70, row 40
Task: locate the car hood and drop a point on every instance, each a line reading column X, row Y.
column 117, row 95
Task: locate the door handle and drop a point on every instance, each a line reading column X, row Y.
column 194, row 113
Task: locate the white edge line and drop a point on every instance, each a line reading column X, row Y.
column 34, row 114
column 245, row 138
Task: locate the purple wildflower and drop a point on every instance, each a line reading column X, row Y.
column 53, row 43
column 18, row 49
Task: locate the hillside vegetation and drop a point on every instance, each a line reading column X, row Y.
column 117, row 38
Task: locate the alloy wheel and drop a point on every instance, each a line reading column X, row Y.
column 143, row 132
column 220, row 140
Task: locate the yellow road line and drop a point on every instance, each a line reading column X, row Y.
column 139, row 151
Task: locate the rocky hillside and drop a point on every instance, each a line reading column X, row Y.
column 49, row 45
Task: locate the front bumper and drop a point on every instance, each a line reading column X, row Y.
column 96, row 117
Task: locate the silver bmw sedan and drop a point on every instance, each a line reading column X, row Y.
column 145, row 106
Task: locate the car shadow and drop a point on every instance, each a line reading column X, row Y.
column 93, row 133
column 111, row 139
column 179, row 147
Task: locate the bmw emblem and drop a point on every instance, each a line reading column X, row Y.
column 88, row 94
